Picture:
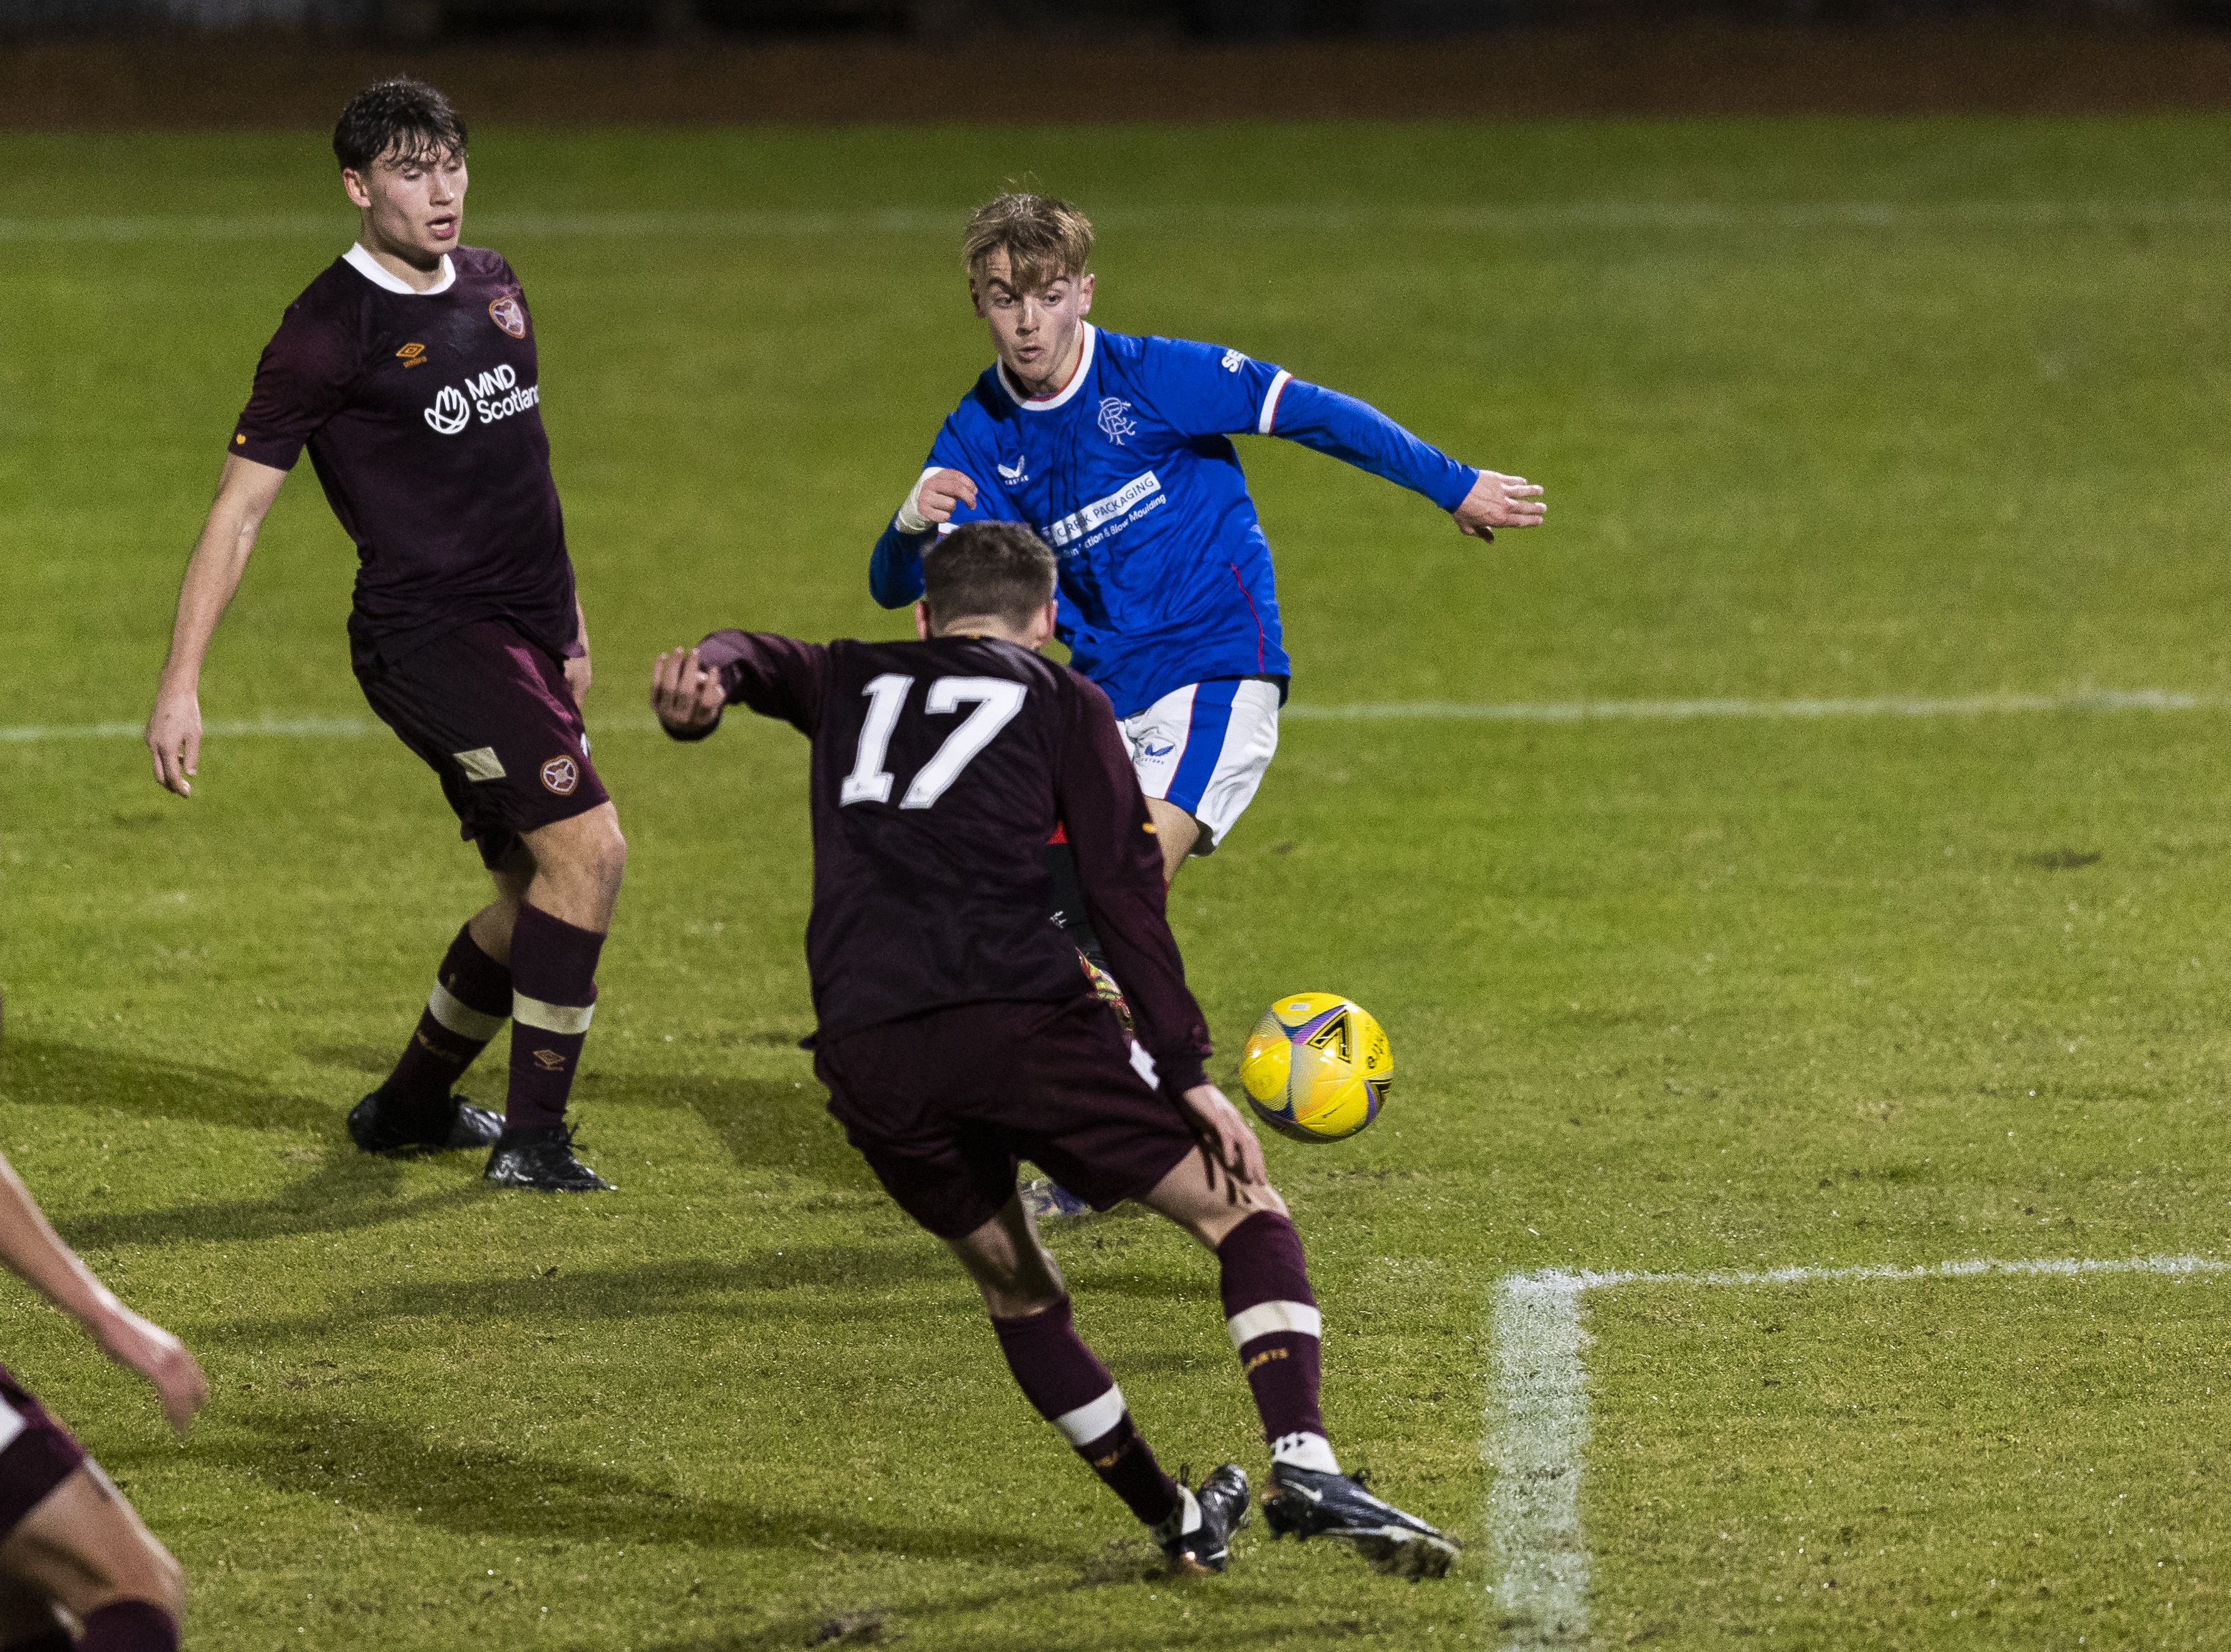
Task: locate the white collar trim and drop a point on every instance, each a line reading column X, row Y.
column 1062, row 396
column 371, row 268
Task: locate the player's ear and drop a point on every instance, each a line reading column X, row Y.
column 921, row 620
column 1085, row 293
column 1042, row 626
column 353, row 184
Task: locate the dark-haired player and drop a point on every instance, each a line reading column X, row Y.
column 70, row 1547
column 408, row 369
column 956, row 1035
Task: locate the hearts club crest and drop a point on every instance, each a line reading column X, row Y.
column 509, row 314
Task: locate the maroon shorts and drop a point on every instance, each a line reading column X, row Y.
column 491, row 714
column 38, row 1454
column 943, row 1104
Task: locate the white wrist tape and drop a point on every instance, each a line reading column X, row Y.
column 910, row 518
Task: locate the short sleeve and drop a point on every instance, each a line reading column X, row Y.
column 1207, row 390
column 302, row 380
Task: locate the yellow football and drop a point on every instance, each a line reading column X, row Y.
column 1318, row 1067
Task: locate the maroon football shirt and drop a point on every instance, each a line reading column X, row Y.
column 420, row 412
column 940, row 769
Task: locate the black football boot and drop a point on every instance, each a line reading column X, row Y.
column 379, row 1125
column 1222, row 1503
column 1306, row 1503
column 541, row 1158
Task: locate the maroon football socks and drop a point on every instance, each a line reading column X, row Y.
column 129, row 1626
column 1072, row 1390
column 468, row 1005
column 1275, row 1324
column 553, row 981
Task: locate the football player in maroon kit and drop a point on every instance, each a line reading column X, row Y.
column 71, row 1548
column 956, row 1035
column 408, row 369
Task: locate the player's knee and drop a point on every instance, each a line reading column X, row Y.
column 161, row 1580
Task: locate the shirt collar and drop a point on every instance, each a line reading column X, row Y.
column 370, row 268
column 1062, row 396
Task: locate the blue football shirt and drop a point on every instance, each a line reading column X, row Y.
column 1128, row 473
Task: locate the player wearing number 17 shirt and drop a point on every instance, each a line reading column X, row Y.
column 956, row 1036
column 1116, row 450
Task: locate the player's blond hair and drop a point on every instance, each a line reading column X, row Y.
column 1045, row 239
column 986, row 571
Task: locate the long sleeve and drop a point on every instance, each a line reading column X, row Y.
column 1367, row 439
column 1120, row 867
column 894, row 568
column 776, row 677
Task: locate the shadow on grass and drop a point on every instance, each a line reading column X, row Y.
column 61, row 1075
column 347, row 1191
column 350, row 1191
column 417, row 1476
column 791, row 1284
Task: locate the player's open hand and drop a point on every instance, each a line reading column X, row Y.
column 683, row 693
column 174, row 739
column 1498, row 501
column 942, row 493
column 158, row 1356
column 1226, row 1141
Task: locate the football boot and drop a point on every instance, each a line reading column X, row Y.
column 1219, row 1508
column 1048, row 1200
column 1306, row 1503
column 377, row 1124
column 542, row 1158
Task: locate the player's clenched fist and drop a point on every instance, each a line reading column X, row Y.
column 683, row 693
column 1498, row 501
column 935, row 497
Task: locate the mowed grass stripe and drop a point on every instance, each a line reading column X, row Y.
column 1417, row 711
column 1324, row 216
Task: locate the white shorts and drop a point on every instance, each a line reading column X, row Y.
column 1205, row 748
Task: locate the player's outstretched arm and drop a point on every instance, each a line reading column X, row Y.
column 687, row 697
column 1479, row 501
column 244, row 492
column 36, row 1254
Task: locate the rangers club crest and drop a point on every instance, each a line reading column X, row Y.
column 561, row 775
column 1115, row 419
column 508, row 314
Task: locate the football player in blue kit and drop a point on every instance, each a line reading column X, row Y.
column 1116, row 448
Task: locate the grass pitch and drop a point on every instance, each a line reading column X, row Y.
column 1826, row 411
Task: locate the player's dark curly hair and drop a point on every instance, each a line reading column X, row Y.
column 398, row 120
column 987, row 570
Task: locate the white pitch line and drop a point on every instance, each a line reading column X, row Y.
column 289, row 728
column 1321, row 217
column 1413, row 711
column 1685, row 710
column 1539, row 1416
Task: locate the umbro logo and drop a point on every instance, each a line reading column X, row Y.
column 413, row 355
